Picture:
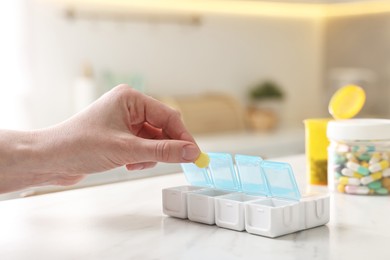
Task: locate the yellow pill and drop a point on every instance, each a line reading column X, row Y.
column 379, row 166
column 376, row 157
column 373, row 177
column 349, row 181
column 203, row 160
column 341, row 188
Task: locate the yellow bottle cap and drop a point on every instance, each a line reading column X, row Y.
column 347, row 102
column 203, row 160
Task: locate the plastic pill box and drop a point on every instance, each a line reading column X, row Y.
column 252, row 194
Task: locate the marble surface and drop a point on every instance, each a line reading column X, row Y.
column 125, row 221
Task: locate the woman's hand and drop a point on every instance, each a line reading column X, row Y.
column 123, row 127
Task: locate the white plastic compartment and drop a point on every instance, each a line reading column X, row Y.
column 175, row 200
column 273, row 217
column 201, row 205
column 317, row 209
column 284, row 211
column 230, row 210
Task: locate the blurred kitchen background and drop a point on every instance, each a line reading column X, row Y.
column 244, row 74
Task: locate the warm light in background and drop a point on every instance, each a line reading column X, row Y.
column 256, row 8
column 358, row 8
column 101, row 14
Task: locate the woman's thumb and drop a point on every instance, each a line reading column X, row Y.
column 171, row 151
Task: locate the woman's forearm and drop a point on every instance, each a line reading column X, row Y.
column 34, row 158
column 122, row 128
column 18, row 155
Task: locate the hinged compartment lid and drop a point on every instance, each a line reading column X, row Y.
column 251, row 177
column 196, row 176
column 281, row 180
column 222, row 172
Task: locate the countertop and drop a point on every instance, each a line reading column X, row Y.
column 125, row 221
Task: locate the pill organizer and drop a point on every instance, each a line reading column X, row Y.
column 252, row 194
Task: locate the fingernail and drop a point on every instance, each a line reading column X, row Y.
column 135, row 167
column 190, row 152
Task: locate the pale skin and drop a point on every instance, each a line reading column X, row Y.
column 122, row 128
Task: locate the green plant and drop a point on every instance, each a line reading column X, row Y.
column 266, row 90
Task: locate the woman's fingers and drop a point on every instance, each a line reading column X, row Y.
column 140, row 166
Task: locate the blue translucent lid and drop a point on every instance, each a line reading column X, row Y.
column 222, row 171
column 281, row 180
column 251, row 177
column 196, row 176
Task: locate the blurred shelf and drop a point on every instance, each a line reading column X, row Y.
column 276, row 143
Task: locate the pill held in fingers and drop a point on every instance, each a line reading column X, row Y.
column 203, row 160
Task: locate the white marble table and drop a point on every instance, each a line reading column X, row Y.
column 125, row 221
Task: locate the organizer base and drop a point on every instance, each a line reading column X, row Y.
column 269, row 217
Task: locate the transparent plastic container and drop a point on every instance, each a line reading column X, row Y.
column 359, row 156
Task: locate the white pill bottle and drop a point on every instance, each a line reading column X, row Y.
column 359, row 156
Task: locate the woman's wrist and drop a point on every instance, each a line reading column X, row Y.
column 19, row 160
column 16, row 149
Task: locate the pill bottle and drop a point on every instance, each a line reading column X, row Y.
column 316, row 144
column 359, row 156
